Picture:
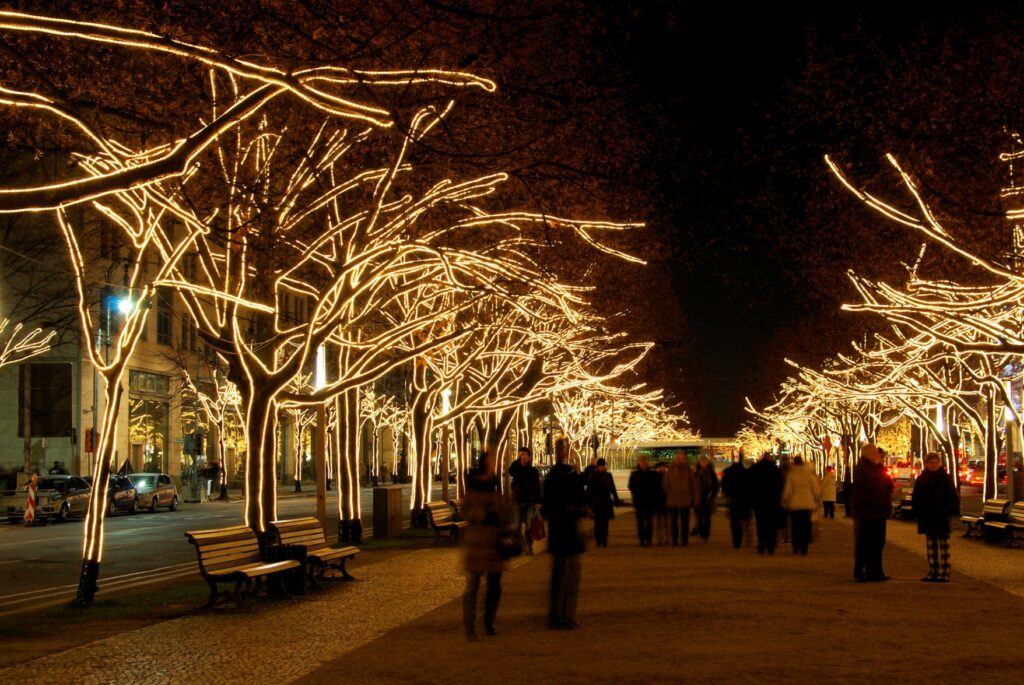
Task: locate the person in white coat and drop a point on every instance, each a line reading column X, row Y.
column 801, row 496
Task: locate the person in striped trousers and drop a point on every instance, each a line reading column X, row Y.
column 935, row 501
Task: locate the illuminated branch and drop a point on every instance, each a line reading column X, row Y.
column 20, row 347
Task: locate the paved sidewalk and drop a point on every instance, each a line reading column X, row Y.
column 706, row 613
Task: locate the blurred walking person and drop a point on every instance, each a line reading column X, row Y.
column 602, row 498
column 564, row 506
column 934, row 501
column 680, row 486
column 801, row 497
column 643, row 486
column 661, row 528
column 766, row 496
column 872, row 493
column 736, row 488
column 828, row 492
column 707, row 493
column 526, row 492
column 481, row 507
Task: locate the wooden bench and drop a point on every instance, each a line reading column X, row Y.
column 993, row 510
column 233, row 555
column 441, row 518
column 1012, row 527
column 307, row 532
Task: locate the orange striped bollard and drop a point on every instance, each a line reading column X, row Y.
column 30, row 504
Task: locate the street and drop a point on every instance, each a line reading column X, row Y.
column 39, row 565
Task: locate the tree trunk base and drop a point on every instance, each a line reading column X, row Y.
column 87, row 586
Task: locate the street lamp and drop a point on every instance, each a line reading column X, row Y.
column 446, row 406
column 320, row 452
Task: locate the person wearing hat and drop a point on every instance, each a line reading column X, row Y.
column 872, row 490
column 934, row 502
column 602, row 498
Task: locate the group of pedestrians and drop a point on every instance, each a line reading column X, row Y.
column 564, row 501
column 663, row 498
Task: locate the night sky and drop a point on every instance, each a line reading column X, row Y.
column 737, row 187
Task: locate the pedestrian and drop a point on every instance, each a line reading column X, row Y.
column 766, row 496
column 58, row 469
column 661, row 534
column 211, row 474
column 707, row 493
column 801, row 497
column 643, row 483
column 736, row 488
column 481, row 508
column 872, row 493
column 784, row 464
column 564, row 506
column 680, row 487
column 526, row 493
column 828, row 492
column 602, row 498
column 934, row 501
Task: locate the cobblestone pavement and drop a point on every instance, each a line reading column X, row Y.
column 277, row 642
column 705, row 613
column 993, row 563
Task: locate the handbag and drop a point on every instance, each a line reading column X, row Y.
column 509, row 545
column 537, row 531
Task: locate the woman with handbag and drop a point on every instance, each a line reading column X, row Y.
column 482, row 509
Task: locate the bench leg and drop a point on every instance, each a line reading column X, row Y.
column 215, row 594
column 345, row 575
column 240, row 594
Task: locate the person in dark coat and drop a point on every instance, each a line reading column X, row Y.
column 707, row 488
column 564, row 506
column 934, row 501
column 766, row 497
column 872, row 504
column 736, row 488
column 526, row 492
column 602, row 498
column 644, row 485
column 481, row 507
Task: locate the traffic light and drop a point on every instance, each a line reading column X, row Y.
column 92, row 440
column 199, row 442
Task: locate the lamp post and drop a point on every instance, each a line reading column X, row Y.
column 446, row 406
column 320, row 451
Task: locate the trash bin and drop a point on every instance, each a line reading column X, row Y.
column 293, row 581
column 387, row 511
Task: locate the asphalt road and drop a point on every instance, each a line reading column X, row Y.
column 39, row 565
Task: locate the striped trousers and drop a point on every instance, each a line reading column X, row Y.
column 938, row 556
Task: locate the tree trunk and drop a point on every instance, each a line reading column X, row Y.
column 349, row 444
column 92, row 549
column 991, row 446
column 422, row 427
column 260, row 479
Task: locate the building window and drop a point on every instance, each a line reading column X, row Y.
column 164, row 311
column 143, row 381
column 49, row 401
column 188, row 334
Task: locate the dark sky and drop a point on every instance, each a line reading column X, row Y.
column 720, row 72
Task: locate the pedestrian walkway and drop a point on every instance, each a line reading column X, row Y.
column 705, row 613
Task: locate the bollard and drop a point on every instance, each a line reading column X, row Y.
column 30, row 504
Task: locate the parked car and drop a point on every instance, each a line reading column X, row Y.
column 155, row 490
column 57, row 498
column 121, row 495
